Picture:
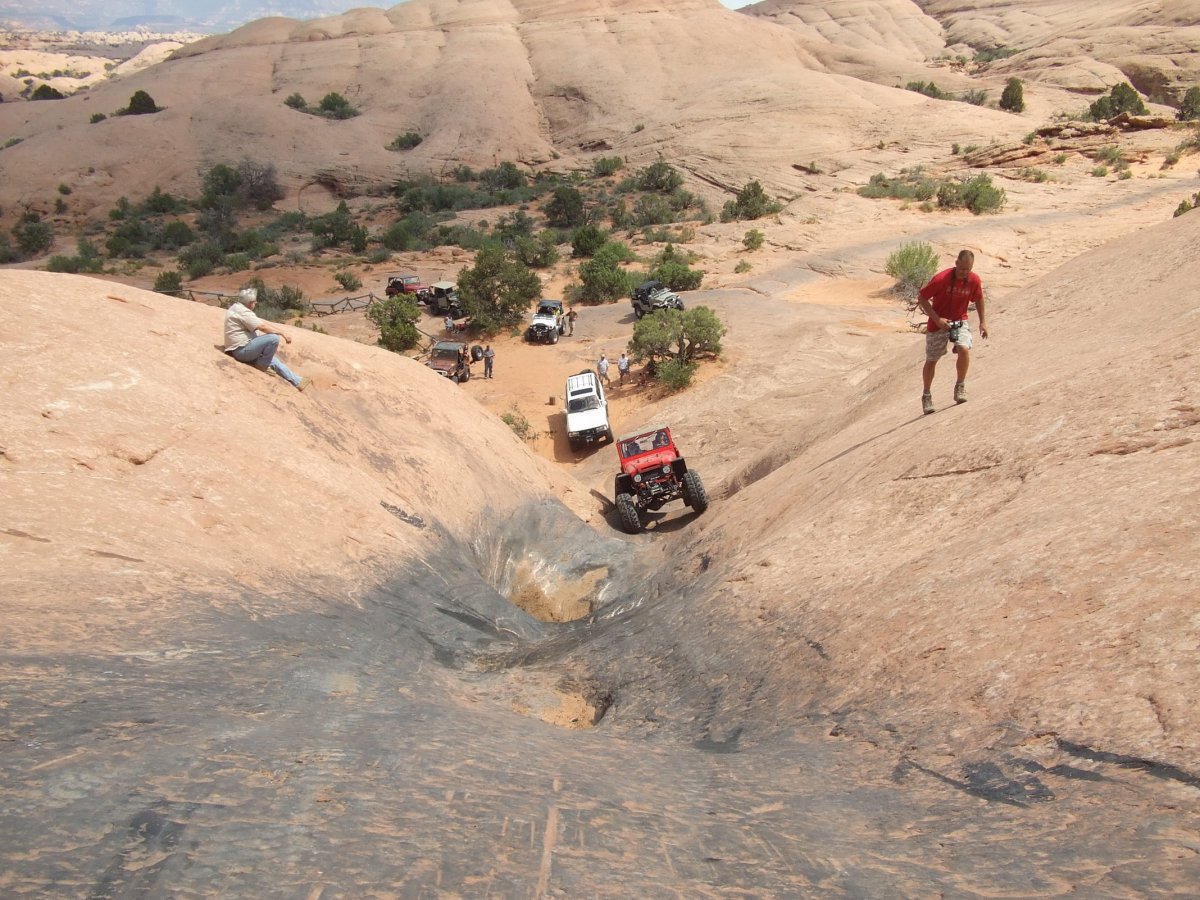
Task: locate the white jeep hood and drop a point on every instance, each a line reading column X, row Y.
column 588, row 418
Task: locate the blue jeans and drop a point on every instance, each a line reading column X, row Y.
column 260, row 353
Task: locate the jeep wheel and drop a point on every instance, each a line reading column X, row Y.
column 454, row 378
column 638, row 311
column 693, row 492
column 628, row 511
column 554, row 335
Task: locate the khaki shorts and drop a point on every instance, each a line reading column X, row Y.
column 936, row 342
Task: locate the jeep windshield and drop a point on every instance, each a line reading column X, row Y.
column 581, row 404
column 635, row 444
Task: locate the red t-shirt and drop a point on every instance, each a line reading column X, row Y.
column 951, row 296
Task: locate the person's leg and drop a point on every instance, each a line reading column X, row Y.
column 285, row 373
column 963, row 348
column 927, row 375
column 259, row 353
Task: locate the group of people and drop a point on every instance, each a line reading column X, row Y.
column 945, row 300
column 602, row 367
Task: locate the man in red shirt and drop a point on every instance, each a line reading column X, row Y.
column 945, row 300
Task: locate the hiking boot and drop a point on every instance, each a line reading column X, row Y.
column 926, row 404
column 960, row 392
column 304, row 383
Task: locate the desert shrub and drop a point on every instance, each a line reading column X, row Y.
column 1187, row 205
column 753, row 239
column 565, row 209
column 603, row 279
column 295, row 101
column 504, row 177
column 1189, row 108
column 140, row 104
column 977, row 194
column 982, row 57
column 671, row 268
column 426, row 195
column 538, row 252
column 606, row 165
column 929, row 89
column 618, row 215
column 1112, row 156
column 497, row 290
column 1170, row 159
column 201, row 259
column 348, row 280
column 681, row 200
column 87, row 259
column 520, row 426
column 1060, row 158
column 334, row 106
column 458, row 236
column 405, row 141
column 132, row 239
column 395, row 318
column 170, row 282
column 752, row 202
column 912, row 265
column 659, row 177
column 221, row 180
column 676, row 334
column 97, row 117
column 32, row 235
column 586, row 240
column 293, row 222
column 977, row 97
column 338, row 228
column 511, row 227
column 651, row 209
column 46, row 92
column 121, row 209
column 159, row 203
column 409, row 233
column 1013, row 97
column 742, row 267
column 910, row 184
column 954, row 148
column 1100, row 172
column 258, row 183
column 675, row 374
column 1121, row 98
column 1034, row 175
column 278, row 304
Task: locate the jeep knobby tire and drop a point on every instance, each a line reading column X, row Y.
column 694, row 494
column 628, row 512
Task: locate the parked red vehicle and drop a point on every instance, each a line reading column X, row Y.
column 653, row 472
column 406, row 284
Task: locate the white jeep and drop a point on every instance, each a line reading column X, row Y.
column 548, row 323
column 587, row 410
